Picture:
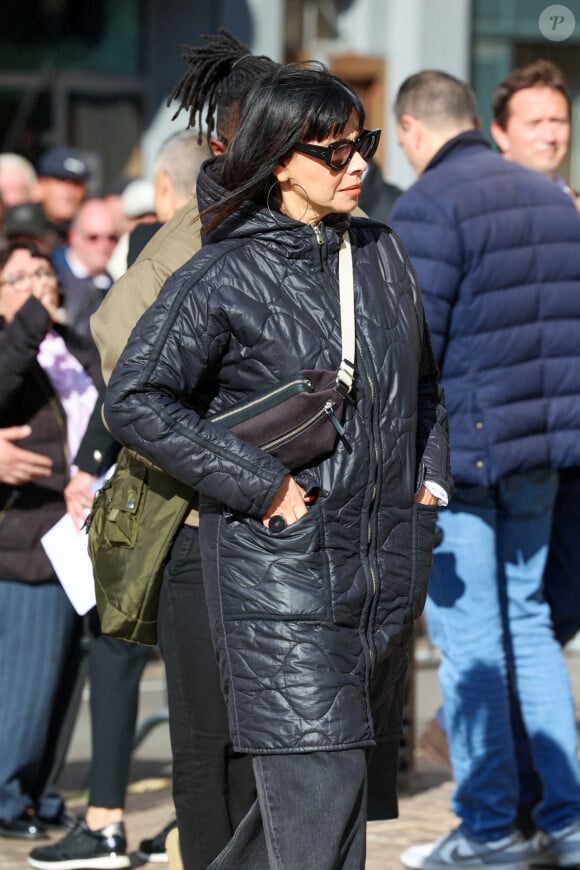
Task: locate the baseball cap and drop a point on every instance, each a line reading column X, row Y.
column 138, row 198
column 64, row 163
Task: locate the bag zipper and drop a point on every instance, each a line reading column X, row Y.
column 297, row 430
column 273, row 397
column 329, row 410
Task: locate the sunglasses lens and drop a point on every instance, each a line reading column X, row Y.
column 340, row 156
column 368, row 145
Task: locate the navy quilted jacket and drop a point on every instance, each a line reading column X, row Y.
column 311, row 624
column 497, row 251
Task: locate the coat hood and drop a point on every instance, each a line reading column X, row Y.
column 251, row 220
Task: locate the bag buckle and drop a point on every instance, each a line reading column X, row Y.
column 345, row 377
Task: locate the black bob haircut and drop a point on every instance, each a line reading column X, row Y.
column 300, row 102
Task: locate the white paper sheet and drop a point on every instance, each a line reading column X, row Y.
column 67, row 549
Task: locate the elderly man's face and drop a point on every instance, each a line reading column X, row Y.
column 93, row 236
column 15, row 187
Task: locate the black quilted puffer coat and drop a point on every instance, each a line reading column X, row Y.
column 312, row 624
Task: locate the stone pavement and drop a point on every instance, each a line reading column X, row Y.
column 424, row 812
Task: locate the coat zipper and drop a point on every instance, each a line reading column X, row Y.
column 372, row 569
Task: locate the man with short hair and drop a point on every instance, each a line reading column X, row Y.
column 531, row 119
column 531, row 126
column 63, row 176
column 82, row 267
column 496, row 248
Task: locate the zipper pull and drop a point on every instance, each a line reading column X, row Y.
column 318, row 233
column 329, row 411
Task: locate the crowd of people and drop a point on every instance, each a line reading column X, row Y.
column 290, row 594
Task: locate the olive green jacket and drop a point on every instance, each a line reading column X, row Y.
column 130, row 296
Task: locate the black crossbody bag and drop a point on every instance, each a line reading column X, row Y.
column 299, row 421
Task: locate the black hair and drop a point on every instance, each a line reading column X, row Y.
column 219, row 75
column 300, row 102
column 35, row 250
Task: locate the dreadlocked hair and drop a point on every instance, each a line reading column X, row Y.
column 219, row 75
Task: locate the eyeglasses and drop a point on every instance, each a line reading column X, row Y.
column 19, row 278
column 337, row 155
column 102, row 237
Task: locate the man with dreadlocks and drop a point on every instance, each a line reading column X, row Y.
column 213, row 786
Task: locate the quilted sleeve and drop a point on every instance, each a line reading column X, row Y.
column 174, row 347
column 433, row 459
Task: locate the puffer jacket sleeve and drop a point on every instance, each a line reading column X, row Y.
column 433, row 454
column 434, row 245
column 173, row 348
column 433, row 458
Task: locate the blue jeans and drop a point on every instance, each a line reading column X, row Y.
column 500, row 661
column 310, row 812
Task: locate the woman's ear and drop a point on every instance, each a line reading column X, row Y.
column 280, row 171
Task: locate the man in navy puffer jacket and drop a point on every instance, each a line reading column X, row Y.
column 496, row 248
column 532, row 126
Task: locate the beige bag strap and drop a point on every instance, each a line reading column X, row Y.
column 345, row 374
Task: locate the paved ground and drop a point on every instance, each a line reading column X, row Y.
column 424, row 802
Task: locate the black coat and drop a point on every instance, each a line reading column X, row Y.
column 311, row 625
column 27, row 396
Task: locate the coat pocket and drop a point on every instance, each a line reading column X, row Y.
column 424, row 525
column 274, row 576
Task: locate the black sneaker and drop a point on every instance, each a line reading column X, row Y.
column 105, row 850
column 63, row 822
column 154, row 849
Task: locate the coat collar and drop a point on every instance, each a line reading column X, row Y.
column 457, row 144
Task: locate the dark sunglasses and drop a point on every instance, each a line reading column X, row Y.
column 103, row 237
column 337, row 155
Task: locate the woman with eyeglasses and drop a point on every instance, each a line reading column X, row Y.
column 46, row 384
column 314, row 575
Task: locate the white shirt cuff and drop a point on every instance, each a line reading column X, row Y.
column 438, row 492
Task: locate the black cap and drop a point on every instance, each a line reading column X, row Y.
column 26, row 219
column 64, row 163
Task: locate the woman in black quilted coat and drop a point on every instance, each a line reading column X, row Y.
column 312, row 618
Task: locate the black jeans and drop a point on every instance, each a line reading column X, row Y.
column 310, row 813
column 213, row 787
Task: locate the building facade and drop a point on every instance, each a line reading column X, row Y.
column 97, row 74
